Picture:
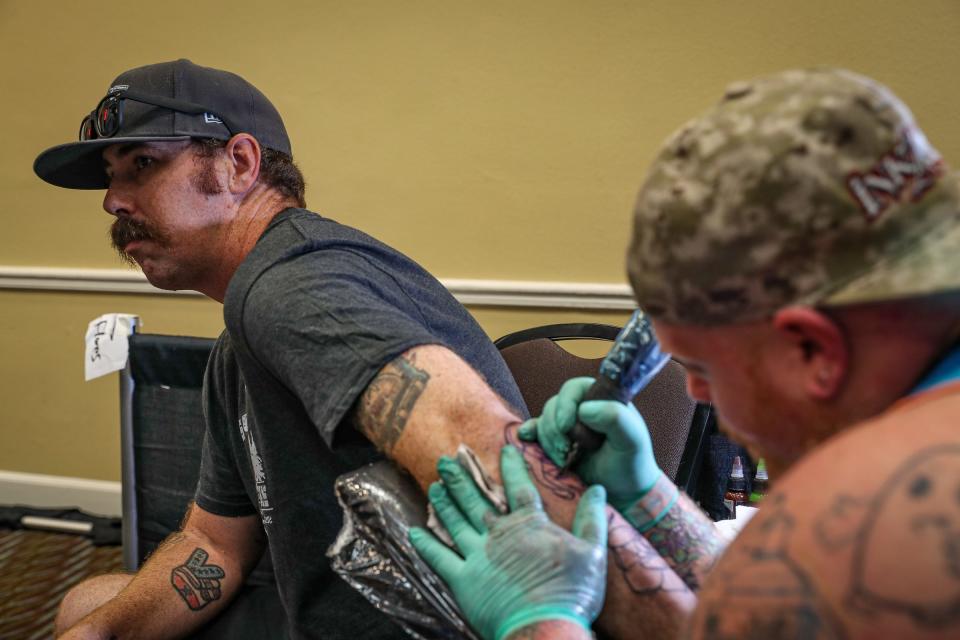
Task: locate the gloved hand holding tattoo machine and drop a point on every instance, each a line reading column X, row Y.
column 616, row 452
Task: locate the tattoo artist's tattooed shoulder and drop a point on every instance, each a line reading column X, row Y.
column 909, row 528
column 197, row 583
column 761, row 591
column 386, row 404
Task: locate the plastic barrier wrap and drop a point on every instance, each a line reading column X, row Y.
column 380, row 503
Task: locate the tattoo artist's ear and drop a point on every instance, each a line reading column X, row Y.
column 243, row 154
column 817, row 345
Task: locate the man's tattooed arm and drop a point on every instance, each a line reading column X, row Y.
column 386, row 404
column 184, row 583
column 427, row 402
column 197, row 581
column 687, row 539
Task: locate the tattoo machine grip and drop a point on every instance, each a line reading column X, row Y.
column 634, row 359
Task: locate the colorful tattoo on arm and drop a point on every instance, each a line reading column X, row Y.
column 197, row 583
column 653, row 505
column 389, row 399
column 686, row 538
column 642, row 568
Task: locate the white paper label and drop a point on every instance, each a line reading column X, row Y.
column 107, row 347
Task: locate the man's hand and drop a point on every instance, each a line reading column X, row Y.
column 624, row 464
column 517, row 569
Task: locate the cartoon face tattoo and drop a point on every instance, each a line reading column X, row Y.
column 764, row 592
column 912, row 532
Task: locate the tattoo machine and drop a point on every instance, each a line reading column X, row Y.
column 632, row 363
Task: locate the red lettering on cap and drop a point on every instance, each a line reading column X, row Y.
column 898, row 176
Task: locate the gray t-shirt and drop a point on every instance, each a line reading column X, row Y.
column 312, row 314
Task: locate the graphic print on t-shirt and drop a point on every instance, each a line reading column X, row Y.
column 259, row 477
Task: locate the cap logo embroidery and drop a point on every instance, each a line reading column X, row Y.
column 209, row 118
column 897, row 176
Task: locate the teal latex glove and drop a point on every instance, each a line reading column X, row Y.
column 519, row 568
column 624, row 464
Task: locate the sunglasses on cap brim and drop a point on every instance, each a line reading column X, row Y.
column 107, row 119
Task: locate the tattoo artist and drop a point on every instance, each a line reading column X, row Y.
column 798, row 248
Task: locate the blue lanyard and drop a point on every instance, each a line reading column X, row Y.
column 946, row 370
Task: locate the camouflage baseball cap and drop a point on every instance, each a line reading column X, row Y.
column 805, row 187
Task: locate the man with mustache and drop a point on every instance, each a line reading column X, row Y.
column 337, row 350
column 798, row 247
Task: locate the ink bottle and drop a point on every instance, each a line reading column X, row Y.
column 760, row 483
column 736, row 494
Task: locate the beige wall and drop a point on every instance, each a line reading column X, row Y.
column 498, row 140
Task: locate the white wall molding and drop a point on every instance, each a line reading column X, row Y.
column 81, row 280
column 100, row 497
column 500, row 293
column 521, row 294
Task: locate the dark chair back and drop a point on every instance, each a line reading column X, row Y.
column 162, row 427
column 678, row 425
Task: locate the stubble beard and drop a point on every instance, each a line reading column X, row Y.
column 205, row 180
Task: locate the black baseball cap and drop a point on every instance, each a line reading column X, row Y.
column 232, row 105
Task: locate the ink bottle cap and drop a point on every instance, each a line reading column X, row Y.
column 761, row 470
column 760, row 483
column 737, row 482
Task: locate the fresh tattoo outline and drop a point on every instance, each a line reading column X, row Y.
column 644, row 572
column 564, row 486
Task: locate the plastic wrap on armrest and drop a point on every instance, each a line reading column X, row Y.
column 372, row 553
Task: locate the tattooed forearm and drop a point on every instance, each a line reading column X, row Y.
column 388, row 401
column 643, row 570
column 197, row 583
column 677, row 529
column 687, row 540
